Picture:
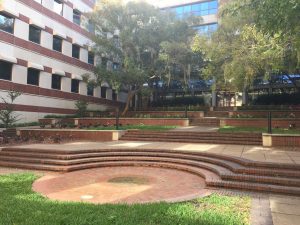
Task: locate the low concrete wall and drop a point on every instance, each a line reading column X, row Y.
column 123, row 121
column 261, row 123
column 134, row 121
column 264, row 113
column 87, row 135
column 190, row 114
column 281, row 140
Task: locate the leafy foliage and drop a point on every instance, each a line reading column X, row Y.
column 255, row 39
column 7, row 113
column 131, row 36
column 81, row 107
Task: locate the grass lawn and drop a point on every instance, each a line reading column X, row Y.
column 19, row 205
column 140, row 127
column 227, row 129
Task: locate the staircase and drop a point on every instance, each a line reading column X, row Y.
column 219, row 171
column 194, row 137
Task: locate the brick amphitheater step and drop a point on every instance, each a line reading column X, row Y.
column 206, row 121
column 217, row 170
column 194, row 137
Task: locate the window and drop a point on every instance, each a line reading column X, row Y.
column 116, row 66
column 6, row 23
column 91, row 58
column 39, row 1
column 207, row 29
column 58, row 7
column 198, row 9
column 76, row 17
column 114, row 95
column 34, row 34
column 91, row 27
column 90, row 91
column 56, row 82
column 57, row 43
column 103, row 92
column 75, row 51
column 33, row 76
column 5, row 70
column 75, row 86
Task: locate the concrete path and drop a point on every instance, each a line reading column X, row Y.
column 256, row 153
column 196, row 129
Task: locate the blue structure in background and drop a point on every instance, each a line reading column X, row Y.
column 199, row 9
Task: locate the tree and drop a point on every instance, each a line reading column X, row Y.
column 253, row 40
column 81, row 107
column 7, row 113
column 130, row 35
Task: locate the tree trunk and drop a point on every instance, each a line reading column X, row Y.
column 128, row 100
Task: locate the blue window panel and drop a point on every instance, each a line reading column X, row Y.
column 204, row 13
column 187, row 9
column 179, row 10
column 204, row 6
column 213, row 5
column 196, row 7
column 212, row 11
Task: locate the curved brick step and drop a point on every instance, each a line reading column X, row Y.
column 248, row 142
column 226, row 169
column 215, row 134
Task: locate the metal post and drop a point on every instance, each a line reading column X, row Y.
column 270, row 122
column 117, row 119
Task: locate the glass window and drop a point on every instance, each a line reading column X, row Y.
column 34, row 34
column 57, row 43
column 5, row 70
column 204, row 6
column 91, row 58
column 75, row 51
column 75, row 86
column 91, row 27
column 103, row 92
column 179, row 10
column 114, row 95
column 58, row 7
column 187, row 9
column 76, row 17
column 6, row 23
column 115, row 66
column 56, row 82
column 33, row 76
column 39, row 1
column 90, row 91
column 196, row 7
column 213, row 5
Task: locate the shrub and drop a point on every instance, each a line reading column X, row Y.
column 277, row 99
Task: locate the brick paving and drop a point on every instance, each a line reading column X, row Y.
column 95, row 185
column 257, row 153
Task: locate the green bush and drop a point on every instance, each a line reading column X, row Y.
column 278, row 99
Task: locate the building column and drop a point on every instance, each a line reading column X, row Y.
column 245, row 97
column 214, row 99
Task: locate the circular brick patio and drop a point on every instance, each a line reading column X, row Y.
column 122, row 185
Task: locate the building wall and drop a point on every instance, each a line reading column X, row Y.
column 36, row 101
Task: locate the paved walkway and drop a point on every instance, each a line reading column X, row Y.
column 257, row 153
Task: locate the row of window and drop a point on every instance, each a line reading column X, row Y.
column 58, row 7
column 206, row 29
column 33, row 78
column 198, row 9
column 7, row 25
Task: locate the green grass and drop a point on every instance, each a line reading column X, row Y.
column 140, row 127
column 19, row 205
column 226, row 129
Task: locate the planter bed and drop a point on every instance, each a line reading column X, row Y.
column 264, row 113
column 253, row 122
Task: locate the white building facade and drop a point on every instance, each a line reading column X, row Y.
column 43, row 53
